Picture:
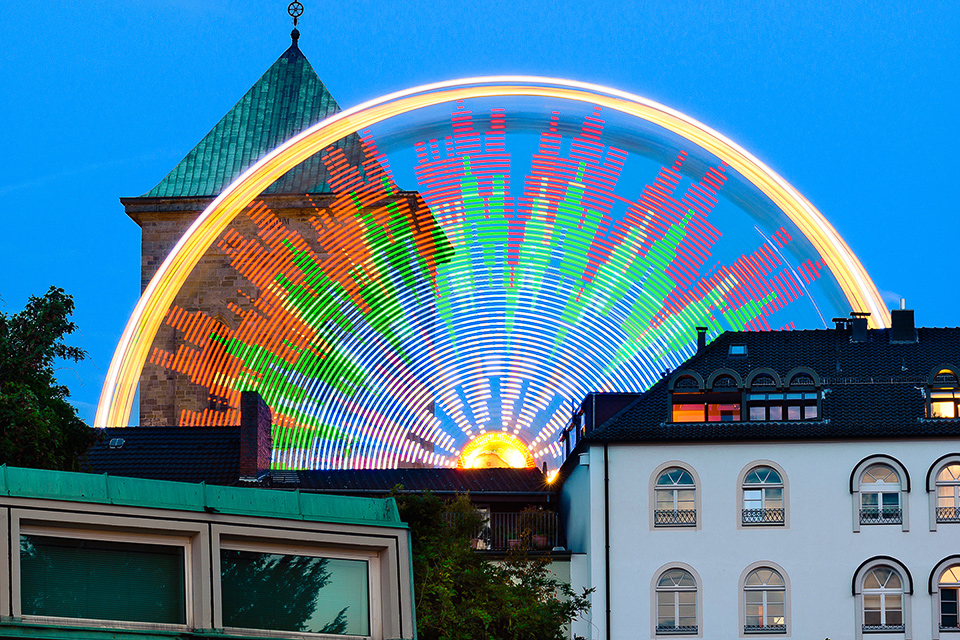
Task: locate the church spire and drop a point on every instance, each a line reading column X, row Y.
column 295, row 9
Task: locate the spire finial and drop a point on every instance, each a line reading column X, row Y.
column 295, row 9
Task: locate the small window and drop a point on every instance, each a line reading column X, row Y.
column 944, row 396
column 300, row 593
column 948, row 493
column 949, row 587
column 882, row 601
column 763, row 497
column 102, row 580
column 764, row 597
column 880, row 496
column 675, row 499
column 737, row 351
column 676, row 603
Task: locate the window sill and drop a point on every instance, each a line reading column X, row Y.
column 883, row 628
column 758, row 630
column 677, row 631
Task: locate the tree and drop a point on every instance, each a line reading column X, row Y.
column 460, row 595
column 38, row 427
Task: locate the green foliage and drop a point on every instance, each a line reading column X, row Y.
column 462, row 595
column 38, row 427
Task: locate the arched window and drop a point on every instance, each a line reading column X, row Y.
column 880, row 495
column 882, row 600
column 948, row 493
column 676, row 505
column 948, row 587
column 764, row 599
column 676, row 602
column 763, row 497
column 943, row 391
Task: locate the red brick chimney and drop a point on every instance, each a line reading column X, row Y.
column 256, row 440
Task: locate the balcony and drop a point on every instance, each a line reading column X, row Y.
column 886, row 515
column 667, row 518
column 663, row 629
column 883, row 628
column 948, row 514
column 759, row 628
column 763, row 516
column 537, row 530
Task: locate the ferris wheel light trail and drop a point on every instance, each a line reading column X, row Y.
column 132, row 350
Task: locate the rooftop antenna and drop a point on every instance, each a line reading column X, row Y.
column 295, row 9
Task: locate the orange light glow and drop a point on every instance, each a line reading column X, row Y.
column 492, row 450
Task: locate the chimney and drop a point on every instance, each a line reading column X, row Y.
column 256, row 441
column 701, row 338
column 902, row 328
column 859, row 323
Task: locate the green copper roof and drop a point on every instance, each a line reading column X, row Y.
column 161, row 494
column 288, row 98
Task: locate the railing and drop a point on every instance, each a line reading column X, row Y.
column 537, row 530
column 948, row 514
column 768, row 628
column 947, row 627
column 663, row 629
column 874, row 515
column 880, row 628
column 763, row 516
column 665, row 518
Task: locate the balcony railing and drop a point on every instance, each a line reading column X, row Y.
column 537, row 530
column 875, row 515
column 664, row 629
column 948, row 514
column 667, row 518
column 882, row 628
column 947, row 627
column 763, row 516
column 759, row 628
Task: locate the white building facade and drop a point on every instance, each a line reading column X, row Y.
column 839, row 518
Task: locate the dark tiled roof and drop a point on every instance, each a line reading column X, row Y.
column 440, row 481
column 288, row 99
column 872, row 389
column 183, row 454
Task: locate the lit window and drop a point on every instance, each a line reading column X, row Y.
column 764, row 597
column 880, row 496
column 944, row 397
column 948, row 493
column 676, row 603
column 719, row 404
column 882, row 601
column 302, row 593
column 763, row 497
column 676, row 499
column 949, row 589
column 102, row 580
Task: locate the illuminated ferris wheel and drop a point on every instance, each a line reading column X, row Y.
column 503, row 247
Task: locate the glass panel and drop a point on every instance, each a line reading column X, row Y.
column 869, row 500
column 871, row 610
column 102, row 580
column 894, row 611
column 893, row 582
column 776, row 597
column 753, row 580
column 723, row 413
column 891, row 501
column 950, row 473
column 794, row 396
column 773, row 498
column 676, row 577
column 810, row 412
column 948, row 607
column 793, row 413
column 666, row 609
column 665, row 500
column 687, row 413
column 876, row 578
column 943, row 410
column 674, row 476
column 752, row 499
column 776, row 413
column 758, row 414
column 950, row 575
column 294, row 593
column 686, row 500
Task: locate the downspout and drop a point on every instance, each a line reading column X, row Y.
column 606, row 529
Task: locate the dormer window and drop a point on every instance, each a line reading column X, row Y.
column 944, row 394
column 767, row 402
column 718, row 401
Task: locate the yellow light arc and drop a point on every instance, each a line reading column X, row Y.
column 123, row 375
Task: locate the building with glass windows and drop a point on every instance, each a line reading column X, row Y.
column 780, row 484
column 96, row 557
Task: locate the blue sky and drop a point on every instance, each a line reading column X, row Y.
column 854, row 104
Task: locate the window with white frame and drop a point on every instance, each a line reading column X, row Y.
column 764, row 598
column 676, row 603
column 763, row 497
column 96, row 576
column 882, row 600
column 675, row 498
column 948, row 587
column 295, row 589
column 880, row 495
column 948, row 493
